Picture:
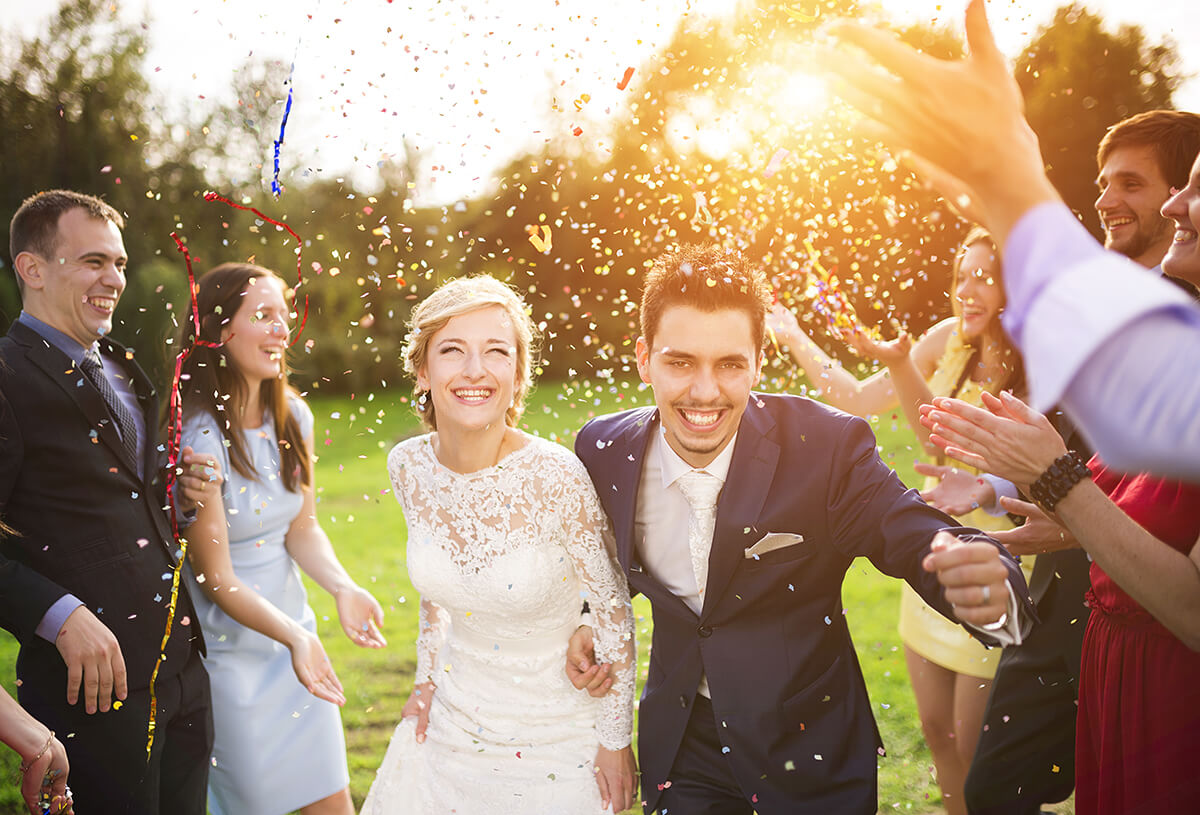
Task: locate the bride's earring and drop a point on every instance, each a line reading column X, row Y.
column 422, row 401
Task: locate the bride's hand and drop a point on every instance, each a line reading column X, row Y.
column 418, row 705
column 616, row 775
column 361, row 616
column 313, row 668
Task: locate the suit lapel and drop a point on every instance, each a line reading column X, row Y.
column 751, row 472
column 627, row 481
column 59, row 367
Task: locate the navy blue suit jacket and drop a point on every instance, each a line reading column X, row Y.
column 786, row 686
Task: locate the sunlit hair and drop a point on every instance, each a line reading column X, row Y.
column 708, row 278
column 1015, row 379
column 34, row 227
column 211, row 379
column 1173, row 136
column 462, row 296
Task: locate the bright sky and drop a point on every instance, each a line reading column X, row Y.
column 474, row 83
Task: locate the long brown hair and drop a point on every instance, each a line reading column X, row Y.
column 1010, row 357
column 210, row 377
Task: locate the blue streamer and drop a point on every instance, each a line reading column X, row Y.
column 275, row 188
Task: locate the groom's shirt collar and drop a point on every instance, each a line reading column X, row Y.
column 672, row 466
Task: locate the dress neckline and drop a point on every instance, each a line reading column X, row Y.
column 427, row 445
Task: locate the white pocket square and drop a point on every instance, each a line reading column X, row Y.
column 772, row 541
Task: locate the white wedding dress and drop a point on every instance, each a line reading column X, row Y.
column 503, row 559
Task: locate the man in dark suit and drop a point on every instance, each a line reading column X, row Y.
column 738, row 514
column 85, row 582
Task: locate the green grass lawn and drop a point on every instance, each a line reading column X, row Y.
column 367, row 527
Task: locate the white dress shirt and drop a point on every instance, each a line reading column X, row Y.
column 661, row 526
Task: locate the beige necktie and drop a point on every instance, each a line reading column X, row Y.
column 701, row 491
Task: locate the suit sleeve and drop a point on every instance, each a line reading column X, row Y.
column 25, row 594
column 872, row 514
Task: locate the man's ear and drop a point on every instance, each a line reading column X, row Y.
column 642, row 350
column 30, row 269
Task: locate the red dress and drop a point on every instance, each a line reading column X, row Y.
column 1137, row 746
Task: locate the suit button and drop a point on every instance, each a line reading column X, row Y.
column 704, row 631
column 682, row 700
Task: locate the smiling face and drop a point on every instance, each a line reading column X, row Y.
column 470, row 371
column 256, row 338
column 980, row 298
column 702, row 366
column 77, row 288
column 1132, row 189
column 1183, row 208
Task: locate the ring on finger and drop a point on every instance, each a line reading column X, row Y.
column 987, row 595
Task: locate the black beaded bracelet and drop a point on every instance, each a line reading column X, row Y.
column 1054, row 484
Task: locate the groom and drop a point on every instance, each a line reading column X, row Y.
column 737, row 514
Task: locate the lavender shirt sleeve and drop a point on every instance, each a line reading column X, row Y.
column 55, row 616
column 1116, row 345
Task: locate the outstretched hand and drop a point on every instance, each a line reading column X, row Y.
column 957, row 491
column 963, row 116
column 313, row 668
column 887, row 352
column 418, row 705
column 361, row 616
column 1039, row 534
column 1009, row 439
column 974, row 577
column 582, row 669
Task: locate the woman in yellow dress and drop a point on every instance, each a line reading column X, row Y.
column 961, row 356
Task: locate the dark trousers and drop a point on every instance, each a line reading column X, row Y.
column 701, row 781
column 110, row 772
column 1026, row 752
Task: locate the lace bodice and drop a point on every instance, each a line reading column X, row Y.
column 504, row 558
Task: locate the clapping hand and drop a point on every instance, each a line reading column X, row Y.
column 361, row 616
column 1039, row 534
column 1009, row 439
column 957, row 492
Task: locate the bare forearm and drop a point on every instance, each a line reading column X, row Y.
column 1164, row 580
column 311, row 549
column 19, row 730
column 838, row 386
column 912, row 391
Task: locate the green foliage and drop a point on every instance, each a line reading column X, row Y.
column 1080, row 79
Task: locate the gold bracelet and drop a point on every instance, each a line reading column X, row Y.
column 25, row 765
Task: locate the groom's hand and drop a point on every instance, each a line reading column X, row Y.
column 582, row 669
column 974, row 576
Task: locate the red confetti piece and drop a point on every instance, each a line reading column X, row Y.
column 625, row 79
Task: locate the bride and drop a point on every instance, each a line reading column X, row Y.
column 506, row 539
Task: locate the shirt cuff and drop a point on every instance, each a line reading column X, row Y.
column 53, row 619
column 1002, row 489
column 1012, row 628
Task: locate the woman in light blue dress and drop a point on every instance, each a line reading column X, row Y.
column 278, row 741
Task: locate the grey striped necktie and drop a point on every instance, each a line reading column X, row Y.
column 93, row 369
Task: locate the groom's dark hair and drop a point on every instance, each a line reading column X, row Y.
column 706, row 277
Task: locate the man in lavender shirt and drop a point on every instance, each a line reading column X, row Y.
column 1116, row 348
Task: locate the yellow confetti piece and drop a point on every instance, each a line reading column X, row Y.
column 542, row 243
column 801, row 15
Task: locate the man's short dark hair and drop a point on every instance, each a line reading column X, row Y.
column 708, row 278
column 34, row 228
column 1173, row 135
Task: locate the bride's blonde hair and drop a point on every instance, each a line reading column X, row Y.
column 461, row 296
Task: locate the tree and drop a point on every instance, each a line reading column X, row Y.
column 1078, row 80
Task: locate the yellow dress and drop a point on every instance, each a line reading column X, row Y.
column 921, row 628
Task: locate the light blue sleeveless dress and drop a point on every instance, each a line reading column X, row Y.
column 276, row 746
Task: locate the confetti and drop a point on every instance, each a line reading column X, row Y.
column 776, row 161
column 625, row 79
column 544, row 243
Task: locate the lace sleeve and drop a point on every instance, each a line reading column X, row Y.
column 430, row 636
column 592, row 548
